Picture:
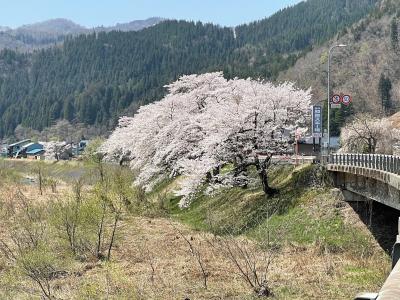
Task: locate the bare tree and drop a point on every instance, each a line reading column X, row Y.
column 27, row 246
column 196, row 252
column 251, row 262
column 367, row 134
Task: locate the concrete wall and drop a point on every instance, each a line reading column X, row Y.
column 376, row 185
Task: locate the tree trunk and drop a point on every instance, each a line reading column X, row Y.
column 113, row 236
column 262, row 167
column 267, row 189
column 100, row 232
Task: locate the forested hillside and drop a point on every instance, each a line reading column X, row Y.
column 308, row 23
column 28, row 38
column 368, row 68
column 94, row 78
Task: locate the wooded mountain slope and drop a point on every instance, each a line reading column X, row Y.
column 94, row 78
column 368, row 68
column 46, row 34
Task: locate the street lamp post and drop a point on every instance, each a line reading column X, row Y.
column 329, row 94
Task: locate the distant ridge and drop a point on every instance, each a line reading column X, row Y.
column 47, row 33
column 132, row 26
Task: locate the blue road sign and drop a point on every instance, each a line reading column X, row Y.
column 317, row 121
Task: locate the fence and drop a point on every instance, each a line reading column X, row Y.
column 386, row 163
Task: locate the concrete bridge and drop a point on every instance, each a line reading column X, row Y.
column 374, row 177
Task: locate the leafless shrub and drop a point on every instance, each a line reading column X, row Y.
column 27, row 245
column 197, row 254
column 251, row 262
column 251, row 259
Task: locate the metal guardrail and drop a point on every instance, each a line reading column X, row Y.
column 391, row 288
column 386, row 163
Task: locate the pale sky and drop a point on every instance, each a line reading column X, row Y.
column 92, row 13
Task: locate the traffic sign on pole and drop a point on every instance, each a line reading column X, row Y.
column 335, row 101
column 346, row 100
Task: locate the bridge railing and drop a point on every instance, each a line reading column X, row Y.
column 391, row 288
column 386, row 163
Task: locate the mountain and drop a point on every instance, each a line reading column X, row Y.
column 132, row 26
column 304, row 25
column 55, row 27
column 368, row 68
column 45, row 34
column 95, row 78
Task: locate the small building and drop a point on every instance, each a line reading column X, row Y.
column 14, row 149
column 80, row 147
column 31, row 150
column 35, row 154
column 308, row 147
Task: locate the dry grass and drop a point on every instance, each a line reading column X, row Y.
column 151, row 260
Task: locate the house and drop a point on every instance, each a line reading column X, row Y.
column 35, row 154
column 31, row 150
column 14, row 149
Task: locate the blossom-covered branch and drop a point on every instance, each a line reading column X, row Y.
column 205, row 122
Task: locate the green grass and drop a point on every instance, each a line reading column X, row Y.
column 62, row 170
column 299, row 226
column 360, row 275
column 289, row 217
column 237, row 210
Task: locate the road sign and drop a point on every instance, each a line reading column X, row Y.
column 346, row 100
column 336, row 99
column 317, row 121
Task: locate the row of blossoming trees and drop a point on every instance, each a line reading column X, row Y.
column 206, row 122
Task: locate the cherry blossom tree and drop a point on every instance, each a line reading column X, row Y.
column 206, row 122
column 367, row 134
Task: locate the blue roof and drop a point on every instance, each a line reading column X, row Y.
column 34, row 151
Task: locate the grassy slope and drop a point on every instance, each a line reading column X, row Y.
column 332, row 257
column 318, row 253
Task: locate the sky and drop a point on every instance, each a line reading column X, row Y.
column 92, row 13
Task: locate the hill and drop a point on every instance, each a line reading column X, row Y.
column 94, row 78
column 46, row 34
column 368, row 68
column 308, row 237
column 132, row 26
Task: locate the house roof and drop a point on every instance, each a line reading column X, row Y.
column 34, row 151
column 32, row 144
column 29, row 144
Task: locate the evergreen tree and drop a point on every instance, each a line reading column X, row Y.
column 385, row 88
column 394, row 34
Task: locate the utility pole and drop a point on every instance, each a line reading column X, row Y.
column 329, row 94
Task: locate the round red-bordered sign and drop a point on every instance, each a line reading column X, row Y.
column 336, row 99
column 346, row 100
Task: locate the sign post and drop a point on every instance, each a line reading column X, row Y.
column 317, row 121
column 316, row 124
